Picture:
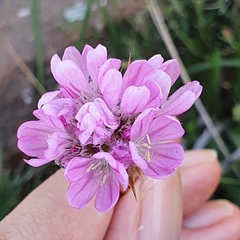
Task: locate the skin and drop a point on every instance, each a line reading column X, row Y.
column 176, row 208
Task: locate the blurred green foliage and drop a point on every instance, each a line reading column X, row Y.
column 207, row 37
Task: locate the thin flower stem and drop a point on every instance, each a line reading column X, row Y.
column 22, row 66
column 36, row 28
column 159, row 22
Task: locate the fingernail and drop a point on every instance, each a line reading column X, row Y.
column 194, row 157
column 209, row 214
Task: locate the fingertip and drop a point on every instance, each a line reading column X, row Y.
column 193, row 157
column 224, row 224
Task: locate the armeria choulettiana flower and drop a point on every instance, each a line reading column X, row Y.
column 104, row 127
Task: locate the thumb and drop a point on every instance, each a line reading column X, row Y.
column 161, row 216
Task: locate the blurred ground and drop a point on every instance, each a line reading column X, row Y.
column 59, row 29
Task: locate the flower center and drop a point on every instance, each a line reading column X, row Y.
column 100, row 167
column 144, row 148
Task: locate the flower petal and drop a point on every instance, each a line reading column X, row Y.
column 71, row 77
column 156, row 172
column 47, row 97
column 163, row 81
column 165, row 157
column 118, row 168
column 110, row 64
column 171, row 68
column 49, row 120
column 156, row 61
column 83, row 184
column 134, row 99
column 135, row 73
column 86, row 127
column 32, row 137
column 141, row 125
column 107, row 195
column 182, row 99
column 71, row 53
column 95, row 59
column 155, row 94
column 59, row 107
column 107, row 116
column 57, row 144
column 165, row 128
column 141, row 163
column 111, row 87
column 37, row 162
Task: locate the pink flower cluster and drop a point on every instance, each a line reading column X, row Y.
column 102, row 126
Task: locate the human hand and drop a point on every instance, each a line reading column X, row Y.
column 171, row 209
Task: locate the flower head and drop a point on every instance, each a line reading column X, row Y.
column 103, row 127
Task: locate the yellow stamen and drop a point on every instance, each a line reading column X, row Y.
column 148, row 139
column 90, row 168
column 104, row 179
column 147, row 146
column 148, row 156
column 96, row 165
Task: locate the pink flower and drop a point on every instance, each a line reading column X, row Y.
column 101, row 175
column 151, row 139
column 101, row 125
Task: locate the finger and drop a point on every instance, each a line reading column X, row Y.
column 156, row 213
column 161, row 209
column 126, row 216
column 216, row 220
column 45, row 214
column 200, row 174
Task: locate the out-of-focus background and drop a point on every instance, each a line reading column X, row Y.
column 203, row 33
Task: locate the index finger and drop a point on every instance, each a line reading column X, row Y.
column 45, row 214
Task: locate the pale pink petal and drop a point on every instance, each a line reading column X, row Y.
column 165, row 128
column 141, row 124
column 135, row 73
column 95, row 59
column 134, row 99
column 171, row 68
column 57, row 144
column 157, row 172
column 107, row 116
column 53, row 122
column 155, row 94
column 86, row 127
column 71, row 53
column 140, row 162
column 107, row 195
column 71, row 77
column 80, row 193
column 163, row 81
column 111, row 87
column 164, row 159
column 47, row 97
column 85, row 51
column 182, row 99
column 37, row 162
column 76, row 169
column 111, row 63
column 83, row 184
column 59, row 107
column 32, row 137
column 101, row 135
column 167, row 155
column 54, row 62
column 156, row 61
